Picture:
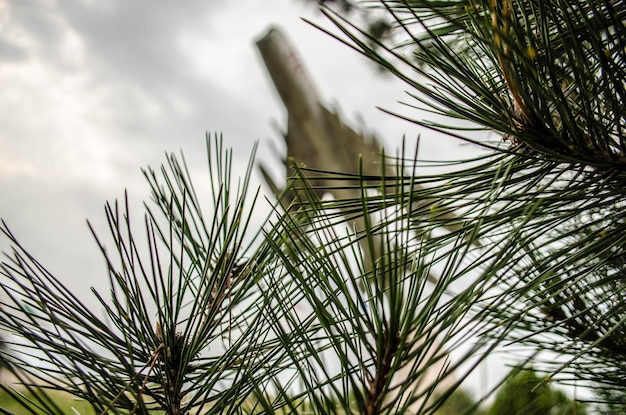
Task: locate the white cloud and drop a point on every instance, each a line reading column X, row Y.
column 11, row 166
column 92, row 91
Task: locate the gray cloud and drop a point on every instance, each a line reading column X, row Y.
column 94, row 90
column 10, row 52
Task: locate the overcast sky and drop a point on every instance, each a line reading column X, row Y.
column 91, row 91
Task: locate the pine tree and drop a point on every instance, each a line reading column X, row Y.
column 547, row 201
column 207, row 315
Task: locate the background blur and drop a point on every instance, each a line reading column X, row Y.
column 91, row 91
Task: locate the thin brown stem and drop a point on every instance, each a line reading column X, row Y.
column 378, row 384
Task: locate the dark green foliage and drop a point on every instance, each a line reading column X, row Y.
column 546, row 202
column 615, row 402
column 527, row 394
column 460, row 402
column 378, row 26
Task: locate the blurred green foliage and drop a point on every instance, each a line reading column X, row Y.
column 525, row 393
